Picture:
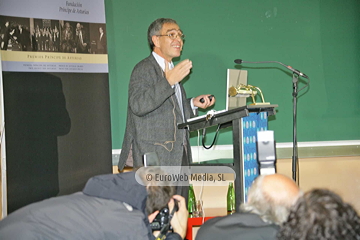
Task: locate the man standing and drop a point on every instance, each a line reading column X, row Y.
column 23, row 37
column 157, row 101
column 67, row 38
column 101, row 42
column 81, row 45
column 270, row 199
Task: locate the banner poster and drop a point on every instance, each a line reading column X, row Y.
column 56, row 97
column 53, row 36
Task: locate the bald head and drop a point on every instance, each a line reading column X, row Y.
column 281, row 189
column 271, row 197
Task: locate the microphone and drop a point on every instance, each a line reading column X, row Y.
column 240, row 61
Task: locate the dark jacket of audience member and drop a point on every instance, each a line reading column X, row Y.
column 111, row 206
column 269, row 201
column 237, row 226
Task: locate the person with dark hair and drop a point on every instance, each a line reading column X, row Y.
column 321, row 215
column 23, row 37
column 101, row 42
column 270, row 198
column 157, row 102
column 13, row 38
column 111, row 206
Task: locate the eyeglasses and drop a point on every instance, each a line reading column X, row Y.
column 173, row 35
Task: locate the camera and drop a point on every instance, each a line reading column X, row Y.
column 163, row 218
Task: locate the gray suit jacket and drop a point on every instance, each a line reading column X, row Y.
column 152, row 117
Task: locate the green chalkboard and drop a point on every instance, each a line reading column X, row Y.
column 319, row 37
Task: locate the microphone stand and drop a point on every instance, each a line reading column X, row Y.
column 295, row 147
column 296, row 74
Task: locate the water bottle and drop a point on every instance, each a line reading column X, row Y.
column 230, row 199
column 191, row 202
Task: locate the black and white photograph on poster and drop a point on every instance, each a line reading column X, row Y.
column 98, row 38
column 78, row 37
column 15, row 34
column 45, row 35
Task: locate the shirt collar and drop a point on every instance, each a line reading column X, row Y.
column 161, row 61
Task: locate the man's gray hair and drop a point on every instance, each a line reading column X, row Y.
column 155, row 27
column 270, row 209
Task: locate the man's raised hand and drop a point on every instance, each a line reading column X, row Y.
column 179, row 72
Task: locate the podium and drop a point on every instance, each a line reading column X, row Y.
column 245, row 121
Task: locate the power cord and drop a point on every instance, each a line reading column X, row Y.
column 216, row 135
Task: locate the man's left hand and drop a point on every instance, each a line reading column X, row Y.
column 180, row 218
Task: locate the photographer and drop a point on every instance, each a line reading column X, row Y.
column 111, row 206
column 160, row 195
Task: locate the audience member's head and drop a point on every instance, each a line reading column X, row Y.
column 271, row 197
column 159, row 192
column 321, row 214
column 159, row 195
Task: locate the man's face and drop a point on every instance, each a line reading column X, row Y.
column 165, row 46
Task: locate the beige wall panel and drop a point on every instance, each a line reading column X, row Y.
column 339, row 174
